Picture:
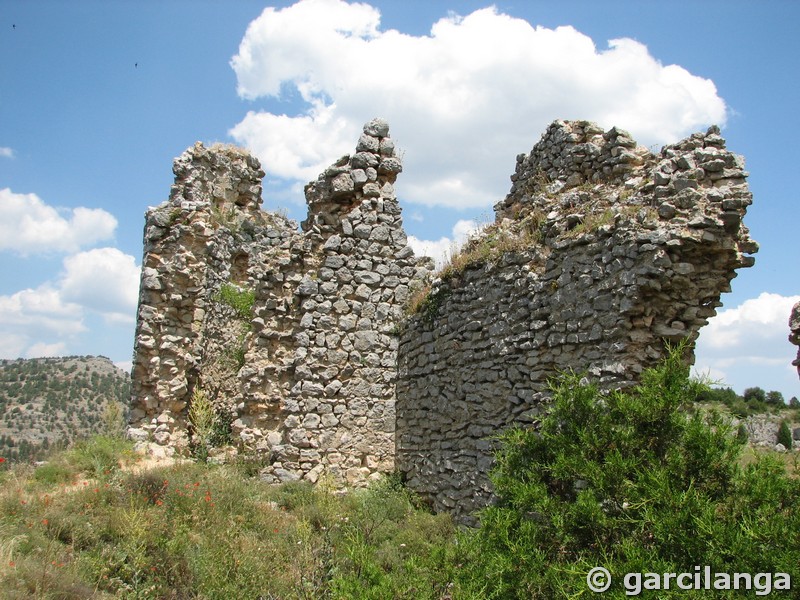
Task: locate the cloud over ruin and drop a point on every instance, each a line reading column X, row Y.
column 462, row 100
column 30, row 226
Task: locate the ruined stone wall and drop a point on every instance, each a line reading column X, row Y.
column 300, row 338
column 188, row 253
column 612, row 251
column 794, row 333
column 306, row 376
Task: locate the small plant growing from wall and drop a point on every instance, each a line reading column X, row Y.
column 229, row 219
column 239, row 299
column 202, row 418
column 427, row 302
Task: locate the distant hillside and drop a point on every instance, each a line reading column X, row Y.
column 47, row 402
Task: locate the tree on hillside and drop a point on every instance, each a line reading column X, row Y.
column 775, row 398
column 724, row 395
column 755, row 394
column 630, row 482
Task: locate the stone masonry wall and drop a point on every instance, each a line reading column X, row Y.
column 307, row 376
column 617, row 251
column 794, row 333
column 599, row 254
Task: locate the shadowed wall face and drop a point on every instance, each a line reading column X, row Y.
column 613, row 252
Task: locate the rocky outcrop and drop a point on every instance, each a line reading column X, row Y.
column 794, row 335
column 611, row 252
column 600, row 253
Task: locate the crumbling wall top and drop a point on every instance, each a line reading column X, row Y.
column 794, row 333
column 223, row 177
column 369, row 173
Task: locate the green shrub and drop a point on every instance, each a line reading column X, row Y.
column 55, row 472
column 785, row 435
column 101, row 455
column 741, row 434
column 627, row 481
column 113, row 420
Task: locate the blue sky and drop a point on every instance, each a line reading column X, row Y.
column 97, row 98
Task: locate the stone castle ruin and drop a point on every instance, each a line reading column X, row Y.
column 794, row 333
column 333, row 349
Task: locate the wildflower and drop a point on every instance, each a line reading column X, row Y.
column 45, row 521
column 2, row 460
column 11, row 563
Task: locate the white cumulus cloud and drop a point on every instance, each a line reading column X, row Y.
column 442, row 249
column 764, row 318
column 104, row 280
column 462, row 101
column 41, row 349
column 30, row 226
column 44, row 321
column 6, row 152
column 747, row 345
column 32, row 320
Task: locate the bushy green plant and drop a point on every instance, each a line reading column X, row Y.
column 113, row 420
column 785, row 435
column 741, row 434
column 55, row 472
column 101, row 455
column 629, row 482
column 203, row 420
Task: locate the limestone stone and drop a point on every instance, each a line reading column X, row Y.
column 377, row 128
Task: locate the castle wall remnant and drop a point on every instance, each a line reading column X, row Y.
column 620, row 250
column 794, row 333
column 303, row 340
column 305, row 369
